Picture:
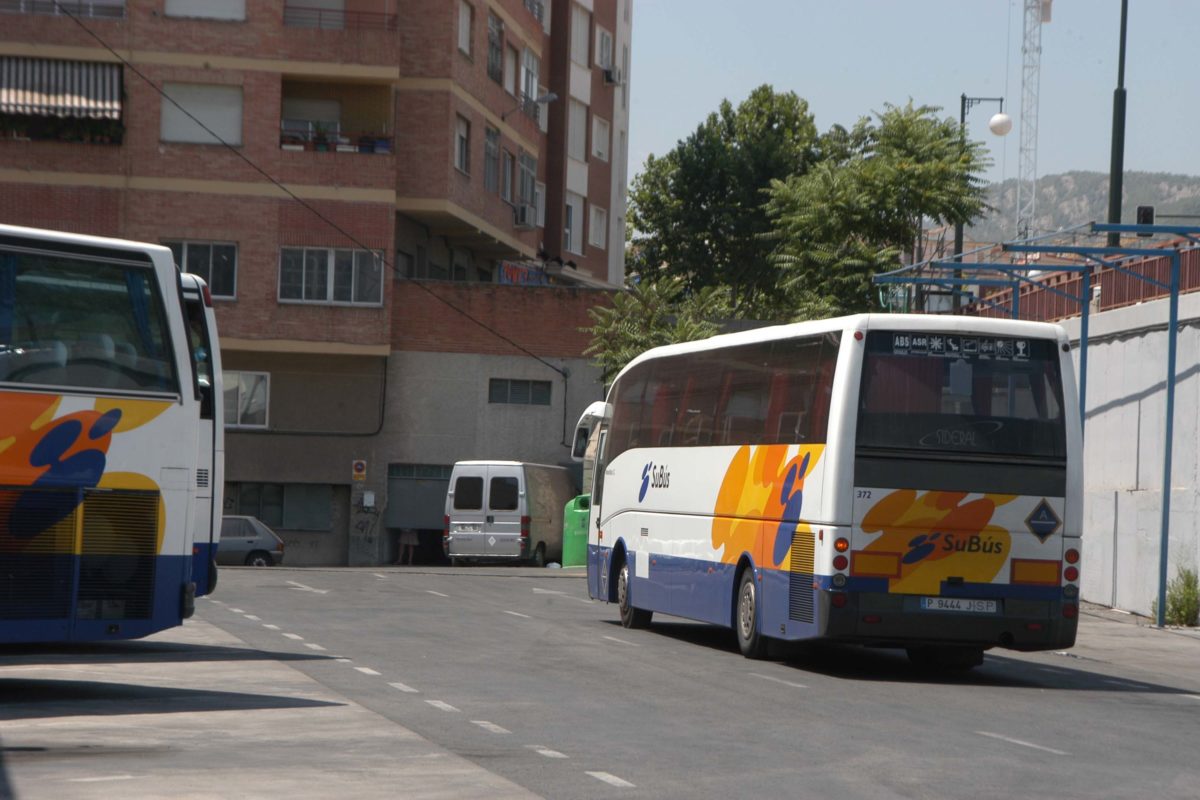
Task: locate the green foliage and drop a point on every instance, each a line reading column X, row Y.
column 649, row 315
column 696, row 213
column 1183, row 599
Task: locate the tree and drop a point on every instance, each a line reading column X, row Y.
column 649, row 315
column 850, row 217
column 697, row 212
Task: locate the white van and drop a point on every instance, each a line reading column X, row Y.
column 506, row 511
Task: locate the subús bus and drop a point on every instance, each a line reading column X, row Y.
column 897, row 480
column 100, row 408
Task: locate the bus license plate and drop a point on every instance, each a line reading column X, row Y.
column 958, row 604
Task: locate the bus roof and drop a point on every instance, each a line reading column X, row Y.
column 84, row 241
column 862, row 322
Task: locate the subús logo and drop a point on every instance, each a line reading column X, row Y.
column 659, row 477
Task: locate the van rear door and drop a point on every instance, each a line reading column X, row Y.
column 464, row 508
column 505, row 492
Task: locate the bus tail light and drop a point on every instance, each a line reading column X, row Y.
column 837, row 600
column 841, row 545
column 1071, row 573
column 840, row 562
column 872, row 619
column 1034, row 627
column 1071, row 556
column 1070, row 612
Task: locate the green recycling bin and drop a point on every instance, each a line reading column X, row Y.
column 575, row 531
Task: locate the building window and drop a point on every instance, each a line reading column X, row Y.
column 598, row 228
column 206, row 9
column 600, row 138
column 527, row 185
column 577, row 130
column 462, row 145
column 522, row 393
column 420, row 471
column 541, row 204
column 491, row 160
column 247, row 399
column 624, row 76
column 510, row 70
column 495, row 57
column 286, row 506
column 604, row 48
column 215, row 262
column 581, row 23
column 573, row 224
column 466, row 15
column 506, row 176
column 327, row 275
column 219, row 108
column 530, row 66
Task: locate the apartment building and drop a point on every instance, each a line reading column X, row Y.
column 404, row 209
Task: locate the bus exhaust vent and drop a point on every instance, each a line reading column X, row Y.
column 201, row 479
column 36, row 547
column 800, row 577
column 118, row 555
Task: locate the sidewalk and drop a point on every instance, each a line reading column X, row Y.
column 1133, row 642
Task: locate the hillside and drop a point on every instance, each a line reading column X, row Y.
column 1073, row 198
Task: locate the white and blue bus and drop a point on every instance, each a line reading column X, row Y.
column 100, row 405
column 890, row 480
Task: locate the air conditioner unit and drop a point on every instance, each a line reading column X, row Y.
column 526, row 214
column 612, row 76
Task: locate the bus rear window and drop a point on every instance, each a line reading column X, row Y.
column 959, row 394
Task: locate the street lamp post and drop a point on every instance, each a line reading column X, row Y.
column 999, row 124
column 1116, row 171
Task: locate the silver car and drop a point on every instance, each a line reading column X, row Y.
column 246, row 540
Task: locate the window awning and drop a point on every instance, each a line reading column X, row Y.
column 51, row 88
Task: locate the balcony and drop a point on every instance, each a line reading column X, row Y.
column 328, row 137
column 94, row 9
column 298, row 15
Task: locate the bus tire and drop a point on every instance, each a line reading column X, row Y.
column 745, row 624
column 630, row 617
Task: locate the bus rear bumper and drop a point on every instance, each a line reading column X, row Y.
column 889, row 620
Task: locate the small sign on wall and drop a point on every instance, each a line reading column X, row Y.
column 358, row 468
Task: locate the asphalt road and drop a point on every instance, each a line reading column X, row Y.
column 519, row 684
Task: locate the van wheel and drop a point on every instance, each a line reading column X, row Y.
column 212, row 576
column 750, row 641
column 539, row 555
column 259, row 558
column 630, row 617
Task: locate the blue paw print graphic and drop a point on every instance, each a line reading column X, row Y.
column 792, row 499
column 36, row 511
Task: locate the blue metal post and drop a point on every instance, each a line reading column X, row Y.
column 1172, row 335
column 1016, row 296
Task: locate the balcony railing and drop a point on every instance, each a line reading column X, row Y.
column 97, row 9
column 299, row 16
column 325, row 138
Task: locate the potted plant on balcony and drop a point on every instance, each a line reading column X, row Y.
column 320, row 138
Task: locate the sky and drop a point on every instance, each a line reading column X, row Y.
column 849, row 58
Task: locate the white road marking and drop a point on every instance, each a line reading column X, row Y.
column 404, row 688
column 621, row 641
column 251, row 616
column 443, row 706
column 305, row 588
column 779, row 680
column 236, row 610
column 312, row 646
column 1023, row 743
column 547, row 591
column 270, row 627
column 489, row 726
column 295, row 636
column 1055, row 670
column 380, row 575
column 343, row 659
column 612, row 780
column 367, row 671
column 439, row 594
column 516, row 614
column 102, row 778
column 1193, row 696
column 545, row 751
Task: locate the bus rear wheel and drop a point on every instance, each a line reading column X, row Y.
column 630, row 617
column 750, row 641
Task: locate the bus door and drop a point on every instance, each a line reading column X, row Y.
column 599, row 551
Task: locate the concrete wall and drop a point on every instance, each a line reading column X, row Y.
column 1124, row 437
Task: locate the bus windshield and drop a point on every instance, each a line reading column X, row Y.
column 998, row 396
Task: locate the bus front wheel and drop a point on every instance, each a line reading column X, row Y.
column 750, row 641
column 630, row 617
